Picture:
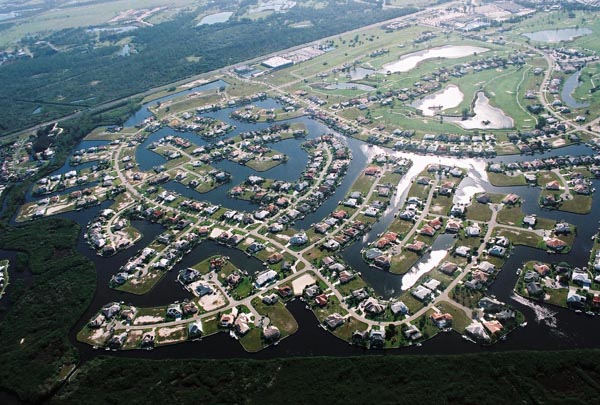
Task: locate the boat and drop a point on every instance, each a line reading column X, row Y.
column 522, row 325
column 590, row 313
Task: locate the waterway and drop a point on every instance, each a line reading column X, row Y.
column 411, row 60
column 567, row 92
column 558, row 35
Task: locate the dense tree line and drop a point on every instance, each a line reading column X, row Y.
column 94, row 75
column 494, row 378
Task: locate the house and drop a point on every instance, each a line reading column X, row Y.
column 312, row 291
column 553, row 185
column 432, row 284
column 334, row 320
column 376, row 338
column 534, row 289
column 111, row 310
column 511, row 199
column 448, row 268
column 373, row 307
column 188, row 275
column 189, row 308
column 321, row 300
column 493, row 327
column 427, row 231
column 530, row 220
column 487, row 267
column 555, row 244
column 285, row 291
column 457, row 210
column 298, row 239
column 477, row 331
column 271, row 333
column 417, row 246
column 442, row 320
column 270, row 299
column 473, row 231
column 360, row 294
column 421, row 293
column 241, row 324
column 489, row 304
column 453, row 226
column 581, row 278
column 275, row 258
column 497, row 251
column 575, row 300
column 195, row 329
column 265, row 277
column 174, row 311
column 227, row 320
column 203, row 289
column 412, row 333
column 463, row 251
column 562, row 228
column 542, row 269
column 345, row 276
column 399, row 307
column 117, row 341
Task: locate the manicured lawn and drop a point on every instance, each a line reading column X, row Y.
column 252, row 341
column 350, row 325
column 479, row 212
column 578, row 204
column 279, row 316
column 524, row 237
column 460, row 320
column 503, row 180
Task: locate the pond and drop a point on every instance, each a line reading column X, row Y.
column 449, row 97
column 360, row 73
column 567, row 92
column 411, row 60
column 215, row 18
column 349, row 86
column 558, row 35
column 486, row 116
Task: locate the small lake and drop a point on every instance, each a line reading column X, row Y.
column 558, row 35
column 411, row 60
column 450, row 97
column 360, row 73
column 349, row 86
column 569, row 87
column 215, row 18
column 486, row 116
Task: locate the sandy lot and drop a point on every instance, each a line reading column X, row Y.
column 213, row 301
column 301, row 282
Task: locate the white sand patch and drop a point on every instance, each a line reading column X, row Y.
column 301, row 282
column 164, row 332
column 147, row 319
column 213, row 301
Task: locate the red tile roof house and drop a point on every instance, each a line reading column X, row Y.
column 321, row 300
column 427, row 231
column 542, row 269
column 371, row 171
column 556, row 244
column 416, row 246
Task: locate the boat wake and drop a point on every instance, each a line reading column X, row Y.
column 542, row 313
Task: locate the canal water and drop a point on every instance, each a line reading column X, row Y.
column 548, row 328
